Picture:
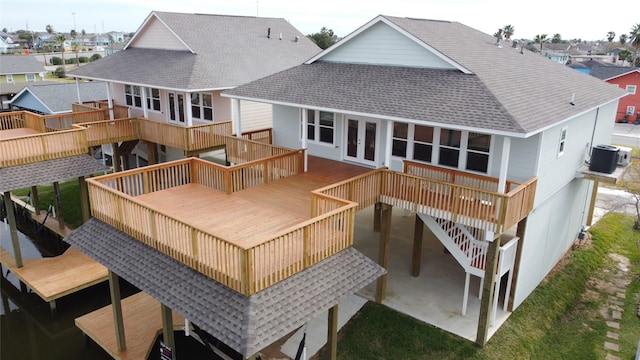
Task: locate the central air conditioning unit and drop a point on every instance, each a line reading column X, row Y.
column 604, row 159
column 624, row 156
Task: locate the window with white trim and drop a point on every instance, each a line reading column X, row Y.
column 631, row 89
column 153, row 99
column 133, row 96
column 321, row 126
column 202, row 106
column 31, row 77
column 10, row 78
column 631, row 110
column 563, row 141
column 478, row 149
column 420, row 143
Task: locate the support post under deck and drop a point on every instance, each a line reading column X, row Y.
column 592, row 204
column 416, row 252
column 332, row 332
column 383, row 253
column 59, row 211
column 35, row 200
column 167, row 329
column 84, row 199
column 116, row 304
column 484, row 320
column 13, row 228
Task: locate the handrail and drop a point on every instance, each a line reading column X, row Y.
column 41, row 147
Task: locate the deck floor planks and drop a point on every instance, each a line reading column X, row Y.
column 16, row 133
column 142, row 324
column 271, row 207
column 54, row 277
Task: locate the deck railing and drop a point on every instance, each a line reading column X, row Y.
column 41, row 147
column 12, row 120
column 263, row 135
column 240, row 150
column 119, row 111
column 476, row 181
column 190, row 138
column 110, row 131
column 246, row 268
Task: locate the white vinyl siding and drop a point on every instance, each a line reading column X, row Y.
column 255, row 115
column 383, row 45
column 155, row 35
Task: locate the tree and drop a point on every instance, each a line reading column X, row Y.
column 556, row 39
column 611, row 35
column 27, row 36
column 540, row 39
column 634, row 39
column 324, row 38
column 508, row 31
column 76, row 48
column 83, row 33
column 4, row 30
column 624, row 55
column 60, row 39
column 623, row 39
column 49, row 29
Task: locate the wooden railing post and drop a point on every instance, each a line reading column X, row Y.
column 306, row 245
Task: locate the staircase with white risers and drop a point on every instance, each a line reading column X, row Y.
column 471, row 254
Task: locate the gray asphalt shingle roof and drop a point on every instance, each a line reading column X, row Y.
column 531, row 91
column 227, row 51
column 58, row 97
column 608, row 72
column 49, row 171
column 20, row 64
column 246, row 324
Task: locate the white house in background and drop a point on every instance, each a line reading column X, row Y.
column 176, row 65
column 398, row 89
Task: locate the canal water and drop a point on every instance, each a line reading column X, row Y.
column 28, row 331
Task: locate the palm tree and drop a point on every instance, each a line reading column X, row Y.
column 540, row 39
column 634, row 39
column 623, row 39
column 60, row 39
column 624, row 55
column 83, row 35
column 556, row 39
column 611, row 35
column 49, row 29
column 508, row 30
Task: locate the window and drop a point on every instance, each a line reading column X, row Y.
column 563, row 140
column 632, row 89
column 420, row 143
column 631, row 110
column 153, row 98
column 31, row 77
column 449, row 147
column 202, row 106
column 9, row 78
column 320, row 126
column 478, row 146
column 132, row 95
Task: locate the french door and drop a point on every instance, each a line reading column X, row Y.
column 176, row 108
column 361, row 140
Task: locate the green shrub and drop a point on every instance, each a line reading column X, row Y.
column 83, row 59
column 55, row 60
column 59, row 72
column 70, row 61
column 95, row 57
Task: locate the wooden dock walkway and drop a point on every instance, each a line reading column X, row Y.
column 54, row 277
column 142, row 324
column 50, row 222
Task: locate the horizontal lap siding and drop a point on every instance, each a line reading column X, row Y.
column 156, row 36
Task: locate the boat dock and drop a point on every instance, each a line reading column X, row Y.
column 54, row 277
column 142, row 325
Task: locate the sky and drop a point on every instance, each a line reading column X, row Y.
column 578, row 20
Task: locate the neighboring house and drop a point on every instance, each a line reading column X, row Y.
column 6, row 43
column 557, row 52
column 176, row 65
column 627, row 79
column 113, row 48
column 398, row 89
column 56, row 98
column 16, row 71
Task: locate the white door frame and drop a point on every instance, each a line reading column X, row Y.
column 173, row 108
column 361, row 140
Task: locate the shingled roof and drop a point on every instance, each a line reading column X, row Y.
column 219, row 51
column 54, row 98
column 521, row 93
column 246, row 324
column 20, row 64
column 49, row 171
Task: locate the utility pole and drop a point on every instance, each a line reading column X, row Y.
column 74, row 21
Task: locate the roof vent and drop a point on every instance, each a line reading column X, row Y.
column 297, row 38
column 498, row 38
column 268, row 33
column 280, row 36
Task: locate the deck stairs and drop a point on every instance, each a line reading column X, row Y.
column 471, row 254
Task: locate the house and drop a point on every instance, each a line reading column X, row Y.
column 56, row 97
column 628, row 79
column 396, row 93
column 557, row 52
column 6, row 43
column 16, row 71
column 176, row 65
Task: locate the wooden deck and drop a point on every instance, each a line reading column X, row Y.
column 142, row 324
column 15, row 133
column 271, row 207
column 54, row 277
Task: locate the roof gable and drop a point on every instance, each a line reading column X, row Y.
column 155, row 34
column 381, row 44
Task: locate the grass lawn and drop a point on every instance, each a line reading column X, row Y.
column 562, row 319
column 69, row 196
